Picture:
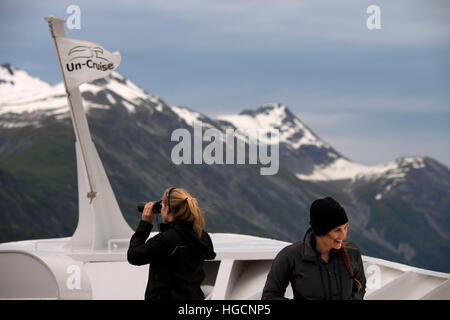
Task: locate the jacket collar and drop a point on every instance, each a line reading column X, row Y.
column 168, row 225
column 309, row 253
column 309, row 247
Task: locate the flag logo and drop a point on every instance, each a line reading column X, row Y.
column 84, row 61
column 91, row 51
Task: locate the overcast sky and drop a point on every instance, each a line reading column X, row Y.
column 374, row 95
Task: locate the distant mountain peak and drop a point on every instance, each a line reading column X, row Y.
column 17, row 84
column 21, row 93
column 413, row 162
column 265, row 109
column 344, row 169
column 120, row 85
column 8, row 67
column 275, row 110
column 113, row 77
column 277, row 116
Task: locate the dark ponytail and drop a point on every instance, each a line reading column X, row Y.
column 344, row 256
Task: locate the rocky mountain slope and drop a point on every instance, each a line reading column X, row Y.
column 398, row 211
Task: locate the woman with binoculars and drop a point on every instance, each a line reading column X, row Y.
column 176, row 254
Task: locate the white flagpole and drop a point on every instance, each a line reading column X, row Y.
column 100, row 221
column 51, row 20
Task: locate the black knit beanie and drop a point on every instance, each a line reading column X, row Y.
column 326, row 214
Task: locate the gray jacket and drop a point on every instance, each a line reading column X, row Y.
column 311, row 277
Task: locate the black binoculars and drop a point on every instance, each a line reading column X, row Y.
column 156, row 206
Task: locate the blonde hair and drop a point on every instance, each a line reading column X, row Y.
column 184, row 207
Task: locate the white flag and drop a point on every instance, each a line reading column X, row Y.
column 84, row 61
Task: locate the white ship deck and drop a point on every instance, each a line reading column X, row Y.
column 47, row 269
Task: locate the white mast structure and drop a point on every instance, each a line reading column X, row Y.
column 100, row 220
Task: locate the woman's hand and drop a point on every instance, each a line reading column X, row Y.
column 147, row 213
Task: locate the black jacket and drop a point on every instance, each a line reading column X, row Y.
column 311, row 277
column 176, row 257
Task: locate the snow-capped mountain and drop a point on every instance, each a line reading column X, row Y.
column 390, row 205
column 17, row 85
column 343, row 169
column 21, row 94
column 277, row 116
column 296, row 135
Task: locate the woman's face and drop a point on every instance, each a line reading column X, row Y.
column 336, row 236
column 166, row 217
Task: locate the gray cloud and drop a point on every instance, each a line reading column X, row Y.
column 317, row 57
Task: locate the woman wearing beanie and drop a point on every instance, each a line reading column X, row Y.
column 322, row 266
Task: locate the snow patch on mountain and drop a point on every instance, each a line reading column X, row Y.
column 34, row 99
column 276, row 116
column 189, row 116
column 16, row 85
column 119, row 85
column 340, row 169
column 392, row 172
column 397, row 175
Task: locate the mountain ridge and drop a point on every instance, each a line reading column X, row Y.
column 131, row 130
